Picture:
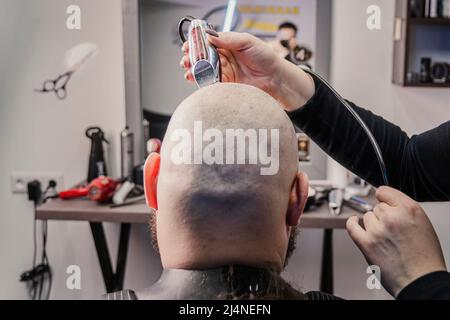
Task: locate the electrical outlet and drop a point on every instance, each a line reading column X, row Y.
column 20, row 180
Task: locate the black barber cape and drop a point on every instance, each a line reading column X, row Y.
column 226, row 283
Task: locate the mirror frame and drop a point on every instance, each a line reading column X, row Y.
column 131, row 23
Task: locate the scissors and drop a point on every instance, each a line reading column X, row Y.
column 58, row 85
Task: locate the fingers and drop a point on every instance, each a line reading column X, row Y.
column 381, row 210
column 356, row 232
column 225, row 42
column 185, row 48
column 225, row 58
column 232, row 40
column 185, row 62
column 189, row 76
column 212, row 33
column 370, row 222
column 391, row 196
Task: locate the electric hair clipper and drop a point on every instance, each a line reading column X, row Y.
column 205, row 61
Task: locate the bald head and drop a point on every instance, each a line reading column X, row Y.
column 229, row 162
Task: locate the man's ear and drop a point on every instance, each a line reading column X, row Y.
column 297, row 200
column 151, row 173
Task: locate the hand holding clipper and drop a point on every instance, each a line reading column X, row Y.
column 204, row 58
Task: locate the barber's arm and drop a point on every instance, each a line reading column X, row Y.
column 418, row 166
column 399, row 238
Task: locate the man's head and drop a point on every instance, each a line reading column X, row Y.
column 287, row 31
column 227, row 189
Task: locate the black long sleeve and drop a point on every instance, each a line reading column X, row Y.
column 418, row 166
column 433, row 286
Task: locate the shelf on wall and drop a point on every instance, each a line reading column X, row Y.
column 428, row 85
column 416, row 38
column 430, row 21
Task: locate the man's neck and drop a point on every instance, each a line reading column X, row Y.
column 203, row 254
column 228, row 282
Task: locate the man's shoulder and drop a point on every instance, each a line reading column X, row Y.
column 121, row 295
column 131, row 295
column 321, row 296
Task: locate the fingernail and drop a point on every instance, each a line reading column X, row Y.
column 212, row 33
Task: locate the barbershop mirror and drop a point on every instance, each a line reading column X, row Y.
column 153, row 51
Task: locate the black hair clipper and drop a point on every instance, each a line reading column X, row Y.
column 205, row 61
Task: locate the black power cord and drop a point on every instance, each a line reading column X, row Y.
column 39, row 278
column 373, row 141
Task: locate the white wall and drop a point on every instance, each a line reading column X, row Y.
column 39, row 133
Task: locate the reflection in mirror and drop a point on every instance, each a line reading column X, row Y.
column 163, row 86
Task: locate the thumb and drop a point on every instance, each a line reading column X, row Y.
column 232, row 40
